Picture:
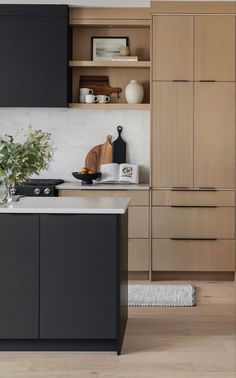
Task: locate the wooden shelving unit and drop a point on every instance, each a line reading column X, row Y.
column 134, row 24
column 90, row 63
column 109, row 106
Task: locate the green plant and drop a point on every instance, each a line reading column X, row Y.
column 18, row 161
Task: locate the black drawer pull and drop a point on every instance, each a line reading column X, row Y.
column 199, row 206
column 181, row 81
column 207, row 81
column 181, row 188
column 201, row 239
column 194, row 190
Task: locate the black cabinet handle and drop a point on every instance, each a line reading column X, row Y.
column 207, row 81
column 200, row 206
column 185, row 189
column 181, row 81
column 201, row 239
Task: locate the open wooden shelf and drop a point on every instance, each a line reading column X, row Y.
column 91, row 63
column 114, row 106
column 95, row 22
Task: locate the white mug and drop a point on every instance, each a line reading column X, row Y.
column 81, row 98
column 83, row 92
column 90, row 99
column 103, row 99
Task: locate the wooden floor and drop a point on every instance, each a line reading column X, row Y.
column 195, row 342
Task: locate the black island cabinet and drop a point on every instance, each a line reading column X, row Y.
column 34, row 55
column 63, row 281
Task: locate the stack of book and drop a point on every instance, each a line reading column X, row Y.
column 124, row 58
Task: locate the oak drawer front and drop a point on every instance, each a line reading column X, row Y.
column 193, row 197
column 138, row 197
column 138, row 222
column 138, row 254
column 193, row 255
column 193, row 222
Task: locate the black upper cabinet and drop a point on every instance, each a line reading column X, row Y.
column 34, row 54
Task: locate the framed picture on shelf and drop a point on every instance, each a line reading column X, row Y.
column 104, row 48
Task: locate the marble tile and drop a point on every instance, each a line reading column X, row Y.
column 76, row 131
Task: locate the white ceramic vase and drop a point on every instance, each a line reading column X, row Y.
column 134, row 92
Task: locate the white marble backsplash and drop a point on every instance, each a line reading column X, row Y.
column 76, row 131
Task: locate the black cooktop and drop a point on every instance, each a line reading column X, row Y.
column 38, row 187
column 43, row 182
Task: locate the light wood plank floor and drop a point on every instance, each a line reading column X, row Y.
column 195, row 342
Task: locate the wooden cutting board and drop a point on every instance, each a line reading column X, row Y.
column 100, row 154
column 99, row 85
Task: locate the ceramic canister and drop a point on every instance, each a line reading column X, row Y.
column 124, row 50
column 134, row 92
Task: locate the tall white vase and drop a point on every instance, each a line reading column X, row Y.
column 134, row 92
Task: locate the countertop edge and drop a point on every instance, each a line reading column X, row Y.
column 61, row 211
column 64, row 205
column 78, row 186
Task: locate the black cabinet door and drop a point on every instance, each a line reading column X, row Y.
column 19, row 278
column 78, row 276
column 34, row 56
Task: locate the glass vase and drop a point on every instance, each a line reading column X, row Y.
column 5, row 191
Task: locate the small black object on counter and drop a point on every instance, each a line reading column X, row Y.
column 119, row 148
column 86, row 178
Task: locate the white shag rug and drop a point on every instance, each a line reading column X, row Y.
column 149, row 295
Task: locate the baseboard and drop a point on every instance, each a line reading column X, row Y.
column 58, row 345
column 142, row 276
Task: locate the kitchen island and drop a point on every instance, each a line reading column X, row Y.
column 63, row 274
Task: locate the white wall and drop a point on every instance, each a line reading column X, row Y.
column 76, row 131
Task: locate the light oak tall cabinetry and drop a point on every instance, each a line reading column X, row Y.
column 172, row 134
column 193, row 144
column 214, row 134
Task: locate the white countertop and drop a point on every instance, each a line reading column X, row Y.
column 65, row 205
column 77, row 185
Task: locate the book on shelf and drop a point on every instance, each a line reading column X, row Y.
column 122, row 58
column 113, row 173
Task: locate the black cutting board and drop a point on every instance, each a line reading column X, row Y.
column 119, row 148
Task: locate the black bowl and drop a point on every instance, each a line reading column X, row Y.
column 87, row 179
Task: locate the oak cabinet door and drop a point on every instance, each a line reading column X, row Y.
column 139, row 252
column 193, row 222
column 173, row 48
column 138, row 221
column 214, row 135
column 214, row 48
column 193, row 255
column 172, row 142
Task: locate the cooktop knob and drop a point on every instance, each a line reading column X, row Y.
column 13, row 191
column 47, row 191
column 37, row 191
